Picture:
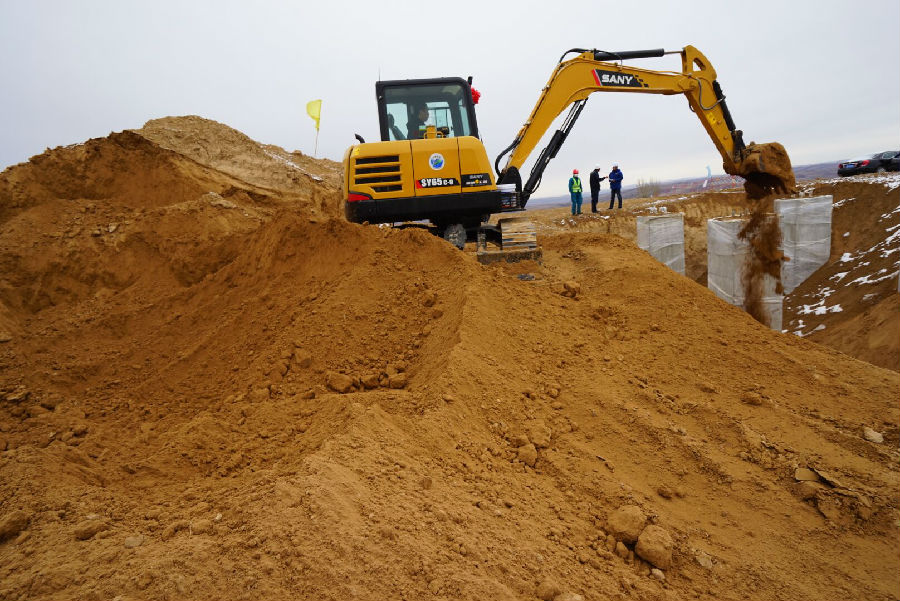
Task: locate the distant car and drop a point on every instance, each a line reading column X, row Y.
column 877, row 163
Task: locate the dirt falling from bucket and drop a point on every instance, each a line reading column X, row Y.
column 764, row 257
column 767, row 171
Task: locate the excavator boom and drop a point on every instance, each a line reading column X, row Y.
column 572, row 81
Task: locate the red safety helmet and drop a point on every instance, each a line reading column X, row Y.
column 574, row 171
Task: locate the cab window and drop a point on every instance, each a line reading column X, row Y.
column 410, row 109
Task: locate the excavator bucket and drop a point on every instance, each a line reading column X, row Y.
column 766, row 169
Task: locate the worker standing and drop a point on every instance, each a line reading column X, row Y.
column 595, row 187
column 575, row 191
column 615, row 186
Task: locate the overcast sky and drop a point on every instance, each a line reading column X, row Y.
column 819, row 76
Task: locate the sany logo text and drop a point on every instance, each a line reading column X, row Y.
column 611, row 78
column 618, row 79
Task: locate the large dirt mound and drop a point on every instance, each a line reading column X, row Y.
column 229, row 151
column 121, row 210
column 264, row 403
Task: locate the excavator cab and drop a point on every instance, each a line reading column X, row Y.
column 429, row 165
column 408, row 109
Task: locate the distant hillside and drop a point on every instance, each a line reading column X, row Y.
column 693, row 184
column 816, row 171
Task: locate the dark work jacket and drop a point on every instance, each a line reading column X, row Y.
column 595, row 180
column 415, row 129
column 615, row 179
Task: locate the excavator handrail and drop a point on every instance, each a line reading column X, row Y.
column 573, row 80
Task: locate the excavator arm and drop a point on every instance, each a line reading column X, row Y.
column 593, row 71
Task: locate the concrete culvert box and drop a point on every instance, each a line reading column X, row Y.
column 806, row 237
column 663, row 237
column 726, row 264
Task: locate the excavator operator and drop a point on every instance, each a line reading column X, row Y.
column 415, row 128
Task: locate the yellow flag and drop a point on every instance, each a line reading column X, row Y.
column 314, row 110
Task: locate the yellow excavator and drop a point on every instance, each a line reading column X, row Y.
column 431, row 165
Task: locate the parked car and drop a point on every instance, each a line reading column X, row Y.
column 877, row 163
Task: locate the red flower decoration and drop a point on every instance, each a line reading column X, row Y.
column 475, row 96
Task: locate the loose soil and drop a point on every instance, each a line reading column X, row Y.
column 213, row 386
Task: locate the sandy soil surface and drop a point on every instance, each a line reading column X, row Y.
column 211, row 386
column 850, row 304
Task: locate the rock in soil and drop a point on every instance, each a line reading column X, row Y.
column 873, row 436
column 568, row 596
column 528, row 455
column 88, row 528
column 201, row 527
column 626, row 523
column 13, row 523
column 341, row 383
column 547, row 590
column 397, row 380
column 655, row 546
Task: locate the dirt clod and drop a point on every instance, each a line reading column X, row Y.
column 626, row 523
column 13, row 523
column 88, row 529
column 341, row 383
column 547, row 590
column 527, row 454
column 655, row 545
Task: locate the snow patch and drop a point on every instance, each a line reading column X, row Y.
column 841, row 203
column 888, row 180
column 868, row 279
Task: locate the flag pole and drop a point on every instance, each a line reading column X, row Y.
column 314, row 110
